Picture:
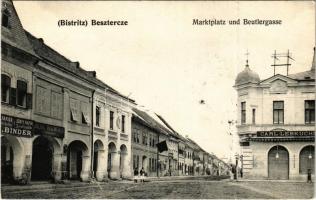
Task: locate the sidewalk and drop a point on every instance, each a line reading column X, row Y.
column 269, row 180
column 34, row 186
column 43, row 185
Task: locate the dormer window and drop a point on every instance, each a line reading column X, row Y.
column 5, row 18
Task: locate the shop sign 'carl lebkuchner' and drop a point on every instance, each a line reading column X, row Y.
column 285, row 133
column 16, row 126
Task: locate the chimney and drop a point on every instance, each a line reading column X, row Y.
column 93, row 73
column 75, row 64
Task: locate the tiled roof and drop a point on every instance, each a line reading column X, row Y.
column 151, row 122
column 50, row 55
column 173, row 133
column 307, row 75
column 14, row 35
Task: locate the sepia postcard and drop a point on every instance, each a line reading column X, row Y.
column 157, row 99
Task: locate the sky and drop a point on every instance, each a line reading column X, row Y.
column 169, row 65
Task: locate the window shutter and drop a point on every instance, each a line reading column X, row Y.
column 29, row 101
column 13, row 96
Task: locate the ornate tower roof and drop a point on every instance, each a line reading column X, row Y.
column 247, row 76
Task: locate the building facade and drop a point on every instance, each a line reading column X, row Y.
column 144, row 141
column 276, row 124
column 59, row 122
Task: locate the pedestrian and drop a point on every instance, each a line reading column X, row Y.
column 241, row 173
column 142, row 174
column 309, row 176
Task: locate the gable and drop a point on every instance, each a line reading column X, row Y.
column 269, row 81
column 278, row 86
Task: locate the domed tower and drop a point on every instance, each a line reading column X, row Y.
column 247, row 76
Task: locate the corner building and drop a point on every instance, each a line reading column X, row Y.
column 276, row 124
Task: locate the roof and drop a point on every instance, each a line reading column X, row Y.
column 304, row 76
column 145, row 117
column 247, row 76
column 173, row 132
column 49, row 54
column 14, row 35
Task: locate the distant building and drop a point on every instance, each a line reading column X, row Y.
column 144, row 143
column 276, row 124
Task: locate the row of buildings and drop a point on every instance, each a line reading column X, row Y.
column 60, row 122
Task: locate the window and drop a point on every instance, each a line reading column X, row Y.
column 144, row 139
column 123, row 123
column 5, row 18
column 134, row 137
column 137, row 162
column 5, row 88
column 134, row 161
column 150, row 141
column 21, row 93
column 74, row 107
column 243, row 112
column 111, row 119
column 253, row 115
column 309, row 111
column 278, row 112
column 84, row 113
column 97, row 115
column 150, row 166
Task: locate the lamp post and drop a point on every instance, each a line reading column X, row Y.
column 236, row 167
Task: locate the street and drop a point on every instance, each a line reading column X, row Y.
column 171, row 189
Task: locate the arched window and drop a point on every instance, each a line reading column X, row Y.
column 5, row 88
column 307, row 159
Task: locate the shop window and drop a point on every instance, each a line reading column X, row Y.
column 123, row 123
column 97, row 116
column 243, row 112
column 21, row 91
column 278, row 112
column 5, row 88
column 111, row 119
column 309, row 111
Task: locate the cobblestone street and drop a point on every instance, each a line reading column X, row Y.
column 181, row 189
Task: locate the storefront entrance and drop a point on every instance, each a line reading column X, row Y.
column 75, row 162
column 6, row 161
column 278, row 163
column 42, row 159
column 307, row 162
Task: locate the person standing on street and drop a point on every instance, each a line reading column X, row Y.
column 142, row 174
column 309, row 176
